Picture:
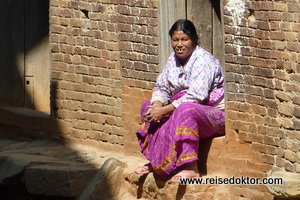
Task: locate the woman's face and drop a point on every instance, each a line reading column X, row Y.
column 182, row 45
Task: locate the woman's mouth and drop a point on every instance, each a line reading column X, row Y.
column 180, row 51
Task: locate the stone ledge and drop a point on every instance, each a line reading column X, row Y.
column 48, row 168
column 211, row 155
column 151, row 186
column 211, row 163
column 34, row 165
column 107, row 183
column 290, row 189
column 60, row 180
column 108, row 174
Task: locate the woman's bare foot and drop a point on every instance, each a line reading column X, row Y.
column 190, row 170
column 145, row 169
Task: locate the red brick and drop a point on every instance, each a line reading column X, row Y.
column 263, row 25
column 268, row 159
column 293, row 46
column 258, row 62
column 282, row 7
column 275, row 16
column 263, row 53
column 296, row 27
column 277, row 36
column 285, row 26
column 293, row 7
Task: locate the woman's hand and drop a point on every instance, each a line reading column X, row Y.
column 154, row 113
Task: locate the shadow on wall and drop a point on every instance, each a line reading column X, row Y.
column 30, row 135
column 25, row 54
column 24, row 62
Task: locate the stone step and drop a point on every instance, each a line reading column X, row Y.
column 211, row 155
column 50, row 171
column 211, row 164
column 152, row 187
column 82, row 173
column 35, row 165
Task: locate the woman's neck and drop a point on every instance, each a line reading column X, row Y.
column 184, row 61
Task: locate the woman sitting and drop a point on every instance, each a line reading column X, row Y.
column 187, row 105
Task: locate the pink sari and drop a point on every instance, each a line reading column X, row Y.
column 175, row 140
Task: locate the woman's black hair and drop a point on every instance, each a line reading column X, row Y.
column 187, row 27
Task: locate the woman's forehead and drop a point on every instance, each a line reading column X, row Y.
column 179, row 34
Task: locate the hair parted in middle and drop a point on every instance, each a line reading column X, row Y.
column 187, row 27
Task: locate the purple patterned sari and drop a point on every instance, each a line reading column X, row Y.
column 175, row 140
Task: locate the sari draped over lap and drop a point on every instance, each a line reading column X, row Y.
column 174, row 141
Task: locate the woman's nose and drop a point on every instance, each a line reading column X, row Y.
column 180, row 43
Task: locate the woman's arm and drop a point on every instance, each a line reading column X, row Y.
column 163, row 90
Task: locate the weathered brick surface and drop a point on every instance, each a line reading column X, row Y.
column 104, row 64
column 262, row 74
column 262, row 82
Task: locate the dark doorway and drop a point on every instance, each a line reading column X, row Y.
column 25, row 54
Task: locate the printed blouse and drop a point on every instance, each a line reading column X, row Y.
column 201, row 74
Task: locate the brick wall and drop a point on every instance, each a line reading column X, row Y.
column 104, row 63
column 262, row 53
column 262, row 74
column 139, row 62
